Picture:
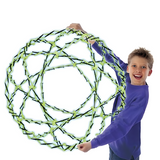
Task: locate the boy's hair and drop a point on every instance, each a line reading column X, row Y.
column 142, row 52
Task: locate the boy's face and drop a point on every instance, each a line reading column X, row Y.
column 138, row 70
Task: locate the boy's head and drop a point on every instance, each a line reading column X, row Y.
column 140, row 63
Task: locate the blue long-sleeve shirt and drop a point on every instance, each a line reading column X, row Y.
column 123, row 134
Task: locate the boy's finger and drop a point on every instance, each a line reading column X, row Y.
column 80, row 146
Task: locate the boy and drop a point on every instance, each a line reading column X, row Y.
column 123, row 134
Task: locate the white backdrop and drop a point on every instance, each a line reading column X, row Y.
column 123, row 25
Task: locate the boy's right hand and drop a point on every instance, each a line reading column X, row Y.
column 77, row 26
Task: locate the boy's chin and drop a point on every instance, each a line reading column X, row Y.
column 138, row 83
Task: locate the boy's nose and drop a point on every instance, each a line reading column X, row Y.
column 139, row 70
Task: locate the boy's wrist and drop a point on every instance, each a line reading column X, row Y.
column 91, row 41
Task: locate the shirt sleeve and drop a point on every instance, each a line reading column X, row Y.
column 112, row 58
column 108, row 57
column 131, row 115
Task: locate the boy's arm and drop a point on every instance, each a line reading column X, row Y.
column 131, row 115
column 108, row 57
column 98, row 48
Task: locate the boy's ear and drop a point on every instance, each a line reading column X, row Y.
column 127, row 69
column 150, row 72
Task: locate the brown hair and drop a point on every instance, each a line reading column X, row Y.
column 142, row 52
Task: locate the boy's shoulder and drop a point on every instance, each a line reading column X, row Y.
column 137, row 92
column 140, row 88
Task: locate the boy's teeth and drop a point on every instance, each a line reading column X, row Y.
column 138, row 75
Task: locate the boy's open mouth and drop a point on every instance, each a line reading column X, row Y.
column 137, row 76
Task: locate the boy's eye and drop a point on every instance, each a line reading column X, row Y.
column 134, row 65
column 143, row 67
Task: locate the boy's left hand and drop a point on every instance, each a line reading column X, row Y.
column 85, row 147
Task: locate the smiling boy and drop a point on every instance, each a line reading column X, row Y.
column 123, row 134
column 139, row 67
